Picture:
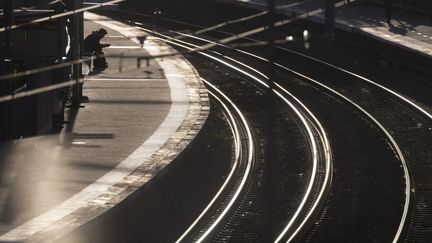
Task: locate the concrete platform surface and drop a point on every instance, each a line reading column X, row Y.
column 136, row 121
column 409, row 30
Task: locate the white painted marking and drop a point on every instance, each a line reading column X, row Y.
column 176, row 115
column 119, row 79
column 124, row 47
column 78, row 143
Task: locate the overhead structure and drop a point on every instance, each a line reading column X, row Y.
column 27, row 43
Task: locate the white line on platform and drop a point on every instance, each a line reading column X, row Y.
column 127, row 79
column 125, row 47
column 78, row 143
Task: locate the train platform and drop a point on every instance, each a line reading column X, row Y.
column 138, row 117
column 408, row 30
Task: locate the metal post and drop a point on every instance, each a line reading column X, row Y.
column 7, row 68
column 81, row 38
column 329, row 20
column 8, row 7
column 269, row 128
column 401, row 6
column 76, row 51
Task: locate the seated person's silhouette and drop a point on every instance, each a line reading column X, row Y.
column 93, row 46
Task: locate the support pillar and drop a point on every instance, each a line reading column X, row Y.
column 6, row 86
column 329, row 20
column 76, row 40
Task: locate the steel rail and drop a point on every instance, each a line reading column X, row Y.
column 298, row 113
column 202, row 29
column 85, row 59
column 417, row 107
column 259, row 29
column 411, row 103
column 314, row 167
column 325, row 145
column 391, row 139
column 327, row 179
column 81, row 60
column 405, row 169
column 380, row 126
column 264, row 28
column 184, row 44
column 94, row 7
column 237, row 141
column 395, row 146
column 246, row 174
column 328, row 171
column 78, row 61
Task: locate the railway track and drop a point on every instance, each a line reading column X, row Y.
column 369, row 166
column 238, row 178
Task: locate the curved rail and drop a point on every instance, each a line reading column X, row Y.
column 245, row 177
column 399, row 96
column 305, row 123
column 379, row 125
column 237, row 141
column 391, row 139
column 328, row 171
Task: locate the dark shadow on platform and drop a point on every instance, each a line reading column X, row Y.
column 399, row 30
column 93, row 135
column 133, row 102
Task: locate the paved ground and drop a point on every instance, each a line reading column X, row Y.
column 407, row 30
column 136, row 122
